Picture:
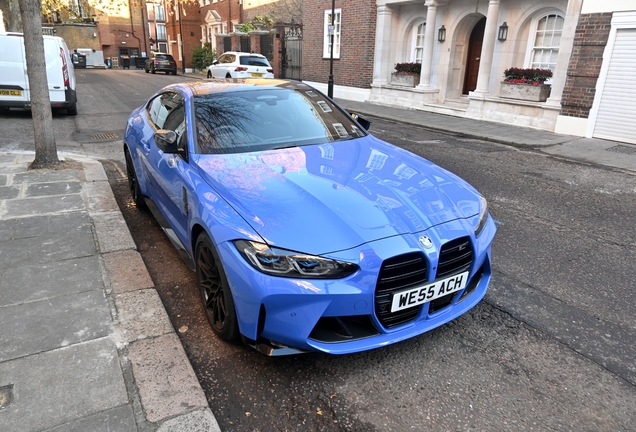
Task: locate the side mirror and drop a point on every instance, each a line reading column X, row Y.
column 215, row 62
column 366, row 124
column 166, row 140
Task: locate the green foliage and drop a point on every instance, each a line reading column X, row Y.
column 408, row 68
column 263, row 22
column 202, row 57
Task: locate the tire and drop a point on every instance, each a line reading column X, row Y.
column 147, row 71
column 133, row 182
column 214, row 290
column 228, row 76
column 152, row 70
column 174, row 73
column 209, row 74
column 72, row 110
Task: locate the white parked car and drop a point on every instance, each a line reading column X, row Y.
column 240, row 65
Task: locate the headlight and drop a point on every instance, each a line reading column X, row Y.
column 483, row 216
column 279, row 262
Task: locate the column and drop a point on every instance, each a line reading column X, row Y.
column 382, row 59
column 429, row 40
column 487, row 49
column 566, row 45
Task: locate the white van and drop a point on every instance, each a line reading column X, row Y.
column 14, row 82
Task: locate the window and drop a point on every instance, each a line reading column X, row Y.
column 332, row 26
column 161, row 32
column 418, row 42
column 162, row 47
column 545, row 48
column 376, row 160
column 159, row 13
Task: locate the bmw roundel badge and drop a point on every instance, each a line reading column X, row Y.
column 426, row 242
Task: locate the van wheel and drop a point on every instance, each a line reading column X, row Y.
column 72, row 110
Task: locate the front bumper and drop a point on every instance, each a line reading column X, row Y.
column 338, row 316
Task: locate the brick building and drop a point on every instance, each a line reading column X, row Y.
column 354, row 37
column 464, row 47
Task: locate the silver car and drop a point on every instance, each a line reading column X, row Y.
column 240, row 65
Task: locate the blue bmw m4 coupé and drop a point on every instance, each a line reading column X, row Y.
column 306, row 233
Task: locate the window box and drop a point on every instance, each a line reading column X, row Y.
column 405, row 79
column 527, row 92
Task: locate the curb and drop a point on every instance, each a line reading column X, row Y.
column 147, row 344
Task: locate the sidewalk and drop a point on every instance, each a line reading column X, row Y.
column 588, row 150
column 85, row 343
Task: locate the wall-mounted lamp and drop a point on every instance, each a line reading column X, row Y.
column 441, row 34
column 503, row 32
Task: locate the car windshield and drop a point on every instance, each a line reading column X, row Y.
column 269, row 118
column 254, row 61
column 164, row 57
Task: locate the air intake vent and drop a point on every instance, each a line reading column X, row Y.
column 455, row 257
column 398, row 274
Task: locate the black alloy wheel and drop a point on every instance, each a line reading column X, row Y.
column 133, row 183
column 215, row 290
column 209, row 74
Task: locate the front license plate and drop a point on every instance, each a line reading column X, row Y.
column 429, row 292
column 257, row 75
column 10, row 92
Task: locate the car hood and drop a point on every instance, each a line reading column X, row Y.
column 325, row 198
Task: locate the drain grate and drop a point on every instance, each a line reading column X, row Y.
column 622, row 149
column 104, row 136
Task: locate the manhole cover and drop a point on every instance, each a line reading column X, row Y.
column 104, row 136
column 623, row 149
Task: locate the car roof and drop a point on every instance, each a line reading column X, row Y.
column 239, row 53
column 201, row 88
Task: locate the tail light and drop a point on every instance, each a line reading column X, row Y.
column 240, row 69
column 64, row 68
column 157, row 62
column 270, row 70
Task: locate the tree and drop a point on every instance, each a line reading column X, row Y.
column 45, row 146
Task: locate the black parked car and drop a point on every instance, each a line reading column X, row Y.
column 162, row 63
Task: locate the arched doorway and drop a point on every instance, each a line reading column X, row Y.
column 473, row 58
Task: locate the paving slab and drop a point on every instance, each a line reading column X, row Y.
column 142, row 315
column 53, row 188
column 47, row 248
column 55, row 387
column 199, row 421
column 100, row 197
column 69, row 223
column 37, row 282
column 126, row 271
column 167, row 384
column 29, row 328
column 119, row 419
column 42, row 205
column 112, row 232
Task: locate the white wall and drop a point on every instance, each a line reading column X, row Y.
column 598, row 6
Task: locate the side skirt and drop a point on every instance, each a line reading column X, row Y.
column 181, row 249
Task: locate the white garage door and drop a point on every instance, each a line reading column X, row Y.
column 616, row 118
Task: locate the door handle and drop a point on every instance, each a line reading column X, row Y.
column 478, row 58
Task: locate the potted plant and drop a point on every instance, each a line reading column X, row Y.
column 406, row 74
column 526, row 84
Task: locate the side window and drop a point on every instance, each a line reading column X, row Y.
column 159, row 109
column 331, row 26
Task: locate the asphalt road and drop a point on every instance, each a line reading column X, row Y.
column 550, row 348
